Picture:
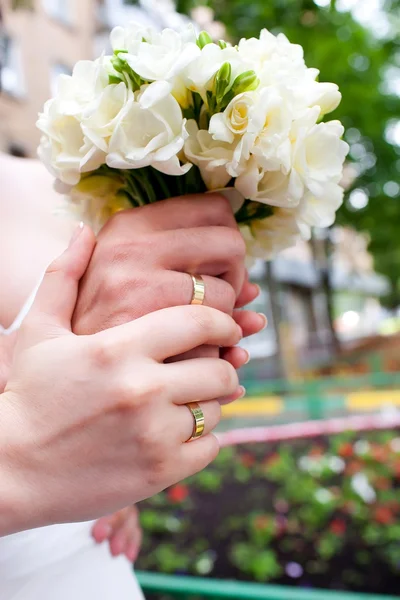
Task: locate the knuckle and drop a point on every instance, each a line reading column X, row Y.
column 104, row 354
column 140, row 392
column 227, row 376
column 222, row 207
column 216, row 413
column 229, row 299
column 212, row 449
column 238, row 245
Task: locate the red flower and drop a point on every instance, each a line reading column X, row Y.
column 346, row 450
column 380, row 453
column 383, row 515
column 178, row 493
column 338, row 527
column 247, row 460
column 355, row 466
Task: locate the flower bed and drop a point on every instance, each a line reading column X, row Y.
column 322, row 512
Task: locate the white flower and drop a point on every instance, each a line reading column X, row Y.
column 323, row 496
column 63, row 148
column 209, row 155
column 318, row 151
column 324, row 95
column 267, row 237
column 336, row 464
column 77, row 91
column 363, row 488
column 101, row 119
column 130, row 37
column 199, row 73
column 362, row 447
column 263, row 122
column 270, row 187
column 156, row 55
column 268, row 134
column 149, row 134
column 256, row 51
column 234, row 120
column 320, row 211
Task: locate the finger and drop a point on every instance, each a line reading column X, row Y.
column 175, row 330
column 240, row 393
column 197, row 455
column 184, row 212
column 56, row 297
column 217, row 251
column 250, row 322
column 133, row 547
column 171, row 288
column 102, row 529
column 248, row 293
column 199, row 379
column 183, row 423
column 119, row 541
column 199, row 352
column 236, row 356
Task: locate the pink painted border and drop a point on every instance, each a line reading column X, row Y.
column 309, row 429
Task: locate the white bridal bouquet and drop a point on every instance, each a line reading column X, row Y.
column 173, row 113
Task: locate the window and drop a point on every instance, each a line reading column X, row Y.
column 11, row 73
column 58, row 9
column 56, row 70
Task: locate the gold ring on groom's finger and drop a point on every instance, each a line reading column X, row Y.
column 198, row 417
column 199, row 290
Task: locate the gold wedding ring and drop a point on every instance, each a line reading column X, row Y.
column 198, row 416
column 199, row 290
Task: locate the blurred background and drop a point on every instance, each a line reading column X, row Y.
column 287, row 501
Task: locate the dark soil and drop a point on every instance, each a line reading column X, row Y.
column 254, row 515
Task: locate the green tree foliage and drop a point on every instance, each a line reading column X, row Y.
column 365, row 65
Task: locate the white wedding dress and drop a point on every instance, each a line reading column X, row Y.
column 61, row 562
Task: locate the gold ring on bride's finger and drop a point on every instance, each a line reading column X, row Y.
column 198, row 416
column 199, row 290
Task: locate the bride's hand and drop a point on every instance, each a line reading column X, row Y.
column 7, row 343
column 142, row 260
column 90, row 424
column 122, row 531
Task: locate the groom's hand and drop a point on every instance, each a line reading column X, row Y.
column 144, row 256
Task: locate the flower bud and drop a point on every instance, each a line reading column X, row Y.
column 246, row 82
column 222, row 80
column 204, row 39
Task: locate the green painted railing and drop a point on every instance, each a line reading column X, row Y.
column 214, row 589
column 323, row 384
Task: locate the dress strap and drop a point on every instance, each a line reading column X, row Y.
column 22, row 313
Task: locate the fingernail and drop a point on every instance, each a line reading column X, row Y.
column 264, row 319
column 258, row 289
column 248, row 357
column 242, row 392
column 240, row 331
column 76, row 234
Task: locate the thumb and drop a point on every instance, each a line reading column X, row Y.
column 56, row 298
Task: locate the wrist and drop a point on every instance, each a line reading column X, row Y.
column 15, row 508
